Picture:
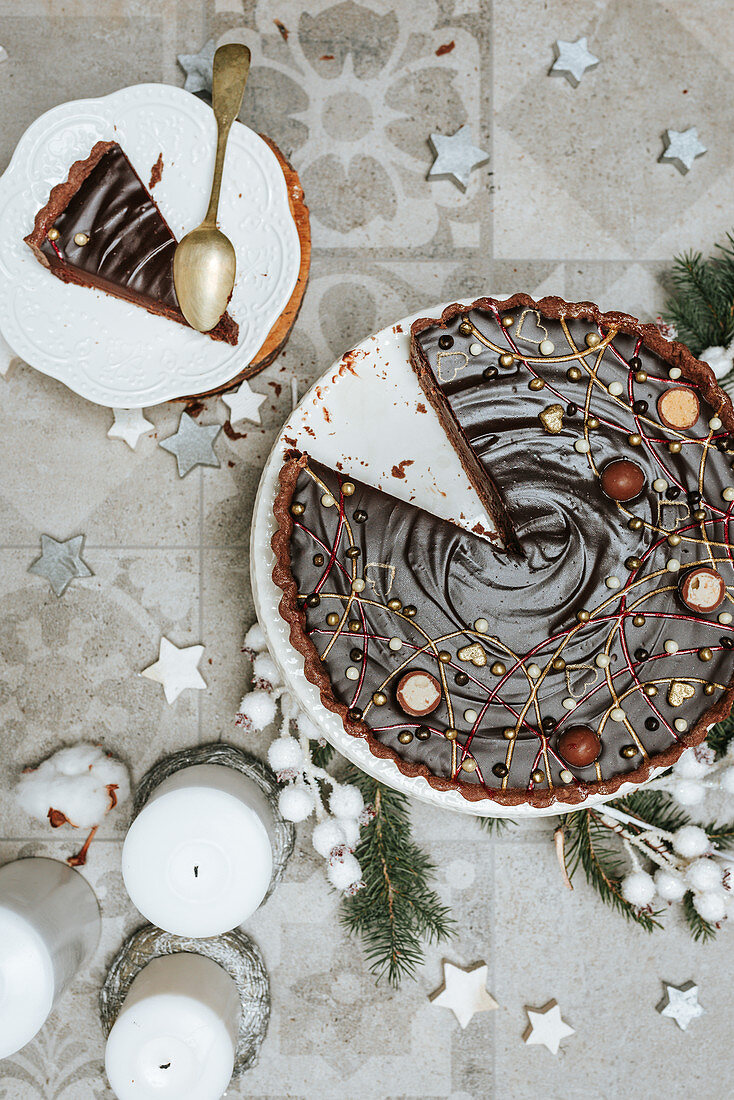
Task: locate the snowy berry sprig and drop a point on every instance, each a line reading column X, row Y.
column 338, row 817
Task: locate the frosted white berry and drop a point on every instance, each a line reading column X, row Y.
column 719, row 359
column 726, row 779
column 710, row 906
column 346, row 801
column 638, row 888
column 690, row 841
column 689, row 792
column 256, row 711
column 307, row 728
column 670, row 885
column 350, row 828
column 329, row 838
column 690, row 766
column 265, row 673
column 295, row 803
column 255, row 640
column 703, row 874
column 344, row 873
column 285, row 755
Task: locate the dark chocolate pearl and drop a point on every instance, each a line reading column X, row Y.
column 318, row 559
column 672, row 492
column 640, row 407
column 360, row 515
column 727, row 643
column 461, row 678
column 489, row 373
column 355, row 654
column 353, row 552
column 579, row 746
column 354, row 714
column 572, row 408
column 635, row 363
column 313, row 600
column 548, row 723
column 651, row 724
column 721, row 445
column 446, row 341
column 694, row 498
column 641, row 654
column 500, row 770
column 423, row 733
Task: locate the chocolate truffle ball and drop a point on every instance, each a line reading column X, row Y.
column 579, row 746
column 418, row 693
column 702, row 589
column 622, row 479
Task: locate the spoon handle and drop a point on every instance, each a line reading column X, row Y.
column 231, row 68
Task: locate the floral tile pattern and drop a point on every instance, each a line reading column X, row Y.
column 574, row 202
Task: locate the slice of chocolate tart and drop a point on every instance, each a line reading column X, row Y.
column 100, row 228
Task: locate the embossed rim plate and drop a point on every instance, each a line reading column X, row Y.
column 372, row 384
column 117, row 354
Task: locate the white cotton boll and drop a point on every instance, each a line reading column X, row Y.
column 726, row 780
column 690, row 841
column 351, row 831
column 344, row 873
column 256, row 711
column 265, row 674
column 704, row 874
column 81, row 782
column 690, row 766
column 295, row 803
column 254, row 640
column 670, row 885
column 285, row 755
column 346, row 801
column 329, row 838
column 719, row 359
column 638, row 888
column 307, row 728
column 711, row 906
column 688, row 792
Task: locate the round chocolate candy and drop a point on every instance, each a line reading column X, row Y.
column 579, row 746
column 622, row 479
column 418, row 693
column 678, row 408
column 702, row 589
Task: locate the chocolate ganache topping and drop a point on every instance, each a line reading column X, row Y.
column 101, row 228
column 595, row 630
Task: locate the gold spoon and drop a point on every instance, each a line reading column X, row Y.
column 204, row 263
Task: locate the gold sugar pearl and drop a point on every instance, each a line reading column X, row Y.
column 705, row 654
column 536, row 384
column 348, row 488
column 509, row 734
column 297, row 509
column 635, row 524
column 638, row 620
column 699, row 515
column 640, row 376
column 355, row 626
column 332, row 618
column 81, row 239
column 592, row 423
column 394, row 604
column 379, row 698
column 469, row 764
column 537, row 776
column 444, row 656
column 709, row 689
column 53, row 233
column 628, row 751
column 451, row 734
column 634, row 440
column 498, row 669
column 583, row 616
column 506, row 360
column 558, row 664
column 508, row 321
column 466, row 328
column 574, row 374
column 675, row 446
column 650, row 689
column 673, row 539
column 405, row 737
column 593, row 339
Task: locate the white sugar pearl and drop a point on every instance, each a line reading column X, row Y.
column 681, row 725
column 728, row 493
column 546, row 347
column 714, row 423
column 725, row 618
column 395, row 644
column 674, row 372
column 615, row 388
column 328, row 501
column 470, row 716
column 352, row 673
column 617, row 714
column 565, row 776
column 672, row 565
column 481, row 625
column 602, row 661
column 660, row 485
column 475, row 349
column 568, row 703
column 671, row 646
column 357, row 585
column 534, row 670
column 612, row 582
column 581, row 446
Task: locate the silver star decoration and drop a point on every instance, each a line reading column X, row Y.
column 464, row 991
column 198, row 68
column 176, row 669
column 680, row 1003
column 192, row 444
column 60, row 562
column 572, row 60
column 129, row 425
column 455, row 157
column 681, row 148
column 244, row 404
column 546, row 1028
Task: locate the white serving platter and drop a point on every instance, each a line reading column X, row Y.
column 364, row 413
column 117, row 354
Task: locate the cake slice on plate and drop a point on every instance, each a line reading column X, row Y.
column 100, row 228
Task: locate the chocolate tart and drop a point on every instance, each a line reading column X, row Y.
column 106, row 232
column 573, row 636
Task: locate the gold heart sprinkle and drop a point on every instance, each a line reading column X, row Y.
column 552, row 419
column 473, row 653
column 679, row 691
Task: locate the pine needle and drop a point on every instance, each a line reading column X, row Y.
column 720, row 736
column 494, row 825
column 701, row 302
column 700, row 929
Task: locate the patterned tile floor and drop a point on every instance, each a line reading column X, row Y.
column 573, row 202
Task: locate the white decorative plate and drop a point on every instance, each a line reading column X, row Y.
column 369, row 413
column 111, row 352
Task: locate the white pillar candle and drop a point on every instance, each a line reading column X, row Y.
column 198, row 858
column 176, row 1033
column 49, row 924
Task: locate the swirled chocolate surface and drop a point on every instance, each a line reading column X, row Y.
column 584, row 626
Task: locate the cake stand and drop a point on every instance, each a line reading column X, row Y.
column 369, row 413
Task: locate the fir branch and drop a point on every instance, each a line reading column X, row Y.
column 656, row 808
column 321, row 754
column 494, row 825
column 396, row 912
column 701, row 302
column 720, row 835
column 700, row 929
column 720, row 736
